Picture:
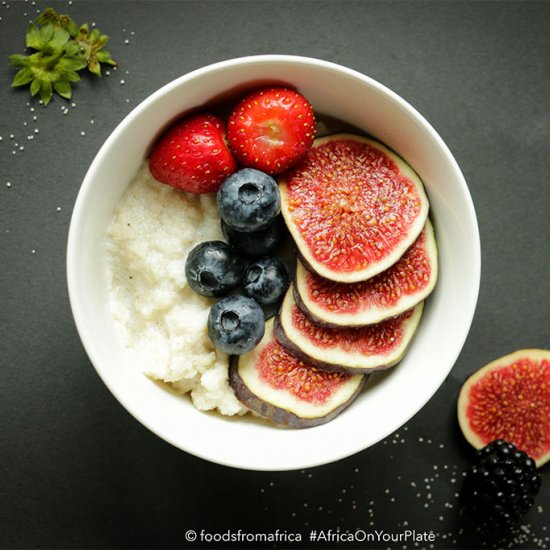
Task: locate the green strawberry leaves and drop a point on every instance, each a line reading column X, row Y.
column 61, row 50
column 91, row 44
column 49, row 15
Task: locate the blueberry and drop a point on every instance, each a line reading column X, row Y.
column 213, row 268
column 266, row 281
column 248, row 200
column 236, row 324
column 256, row 243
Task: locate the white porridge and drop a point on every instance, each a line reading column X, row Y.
column 160, row 319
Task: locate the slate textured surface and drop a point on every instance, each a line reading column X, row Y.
column 76, row 469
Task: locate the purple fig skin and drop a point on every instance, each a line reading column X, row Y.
column 313, row 318
column 300, row 257
column 274, row 413
column 292, row 348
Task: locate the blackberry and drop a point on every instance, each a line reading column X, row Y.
column 501, row 485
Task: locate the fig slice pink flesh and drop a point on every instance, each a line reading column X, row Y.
column 286, row 390
column 352, row 206
column 390, row 293
column 352, row 349
column 509, row 399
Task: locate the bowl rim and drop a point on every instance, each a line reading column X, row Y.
column 86, row 186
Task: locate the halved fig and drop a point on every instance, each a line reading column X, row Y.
column 390, row 293
column 278, row 386
column 352, row 206
column 509, row 399
column 354, row 349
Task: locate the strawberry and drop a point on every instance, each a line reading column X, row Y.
column 270, row 129
column 192, row 155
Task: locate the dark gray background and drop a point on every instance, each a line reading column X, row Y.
column 76, row 470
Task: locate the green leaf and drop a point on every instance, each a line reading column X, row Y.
column 72, row 47
column 62, row 49
column 18, row 60
column 63, row 88
column 94, row 67
column 71, row 76
column 94, row 35
column 60, row 37
column 46, row 91
column 34, row 38
column 105, row 57
column 46, row 33
column 49, row 15
column 71, row 27
column 35, row 86
column 71, row 63
column 84, row 30
column 22, row 77
column 60, row 21
column 102, row 40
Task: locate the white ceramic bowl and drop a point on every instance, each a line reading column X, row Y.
column 394, row 397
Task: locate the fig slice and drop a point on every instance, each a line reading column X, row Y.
column 354, row 349
column 352, row 206
column 286, row 390
column 509, row 399
column 390, row 293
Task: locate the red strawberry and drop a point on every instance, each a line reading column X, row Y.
column 192, row 155
column 270, row 129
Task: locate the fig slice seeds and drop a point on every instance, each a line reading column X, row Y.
column 352, row 206
column 280, row 387
column 390, row 293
